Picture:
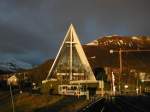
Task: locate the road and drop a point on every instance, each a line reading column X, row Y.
column 120, row 104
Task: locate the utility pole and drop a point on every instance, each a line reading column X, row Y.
column 120, row 63
column 12, row 99
column 11, row 80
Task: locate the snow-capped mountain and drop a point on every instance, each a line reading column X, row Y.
column 116, row 41
column 13, row 65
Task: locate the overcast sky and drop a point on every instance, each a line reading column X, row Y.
column 31, row 30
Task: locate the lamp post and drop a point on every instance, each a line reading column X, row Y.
column 12, row 80
column 120, row 60
column 120, row 65
column 12, row 99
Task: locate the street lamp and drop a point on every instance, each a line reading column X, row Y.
column 12, row 80
column 12, row 99
column 126, row 86
column 120, row 64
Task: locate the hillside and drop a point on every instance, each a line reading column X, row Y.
column 98, row 55
column 101, row 47
column 39, row 72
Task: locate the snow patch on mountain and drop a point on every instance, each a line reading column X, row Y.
column 95, row 42
column 135, row 38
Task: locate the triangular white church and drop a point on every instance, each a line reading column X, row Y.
column 71, row 64
column 71, row 69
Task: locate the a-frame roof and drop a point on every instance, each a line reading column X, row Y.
column 71, row 37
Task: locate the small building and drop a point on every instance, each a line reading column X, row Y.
column 13, row 80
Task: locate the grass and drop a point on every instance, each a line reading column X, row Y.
column 28, row 103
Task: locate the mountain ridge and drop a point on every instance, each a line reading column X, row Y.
column 13, row 65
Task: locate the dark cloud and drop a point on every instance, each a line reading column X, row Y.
column 32, row 30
